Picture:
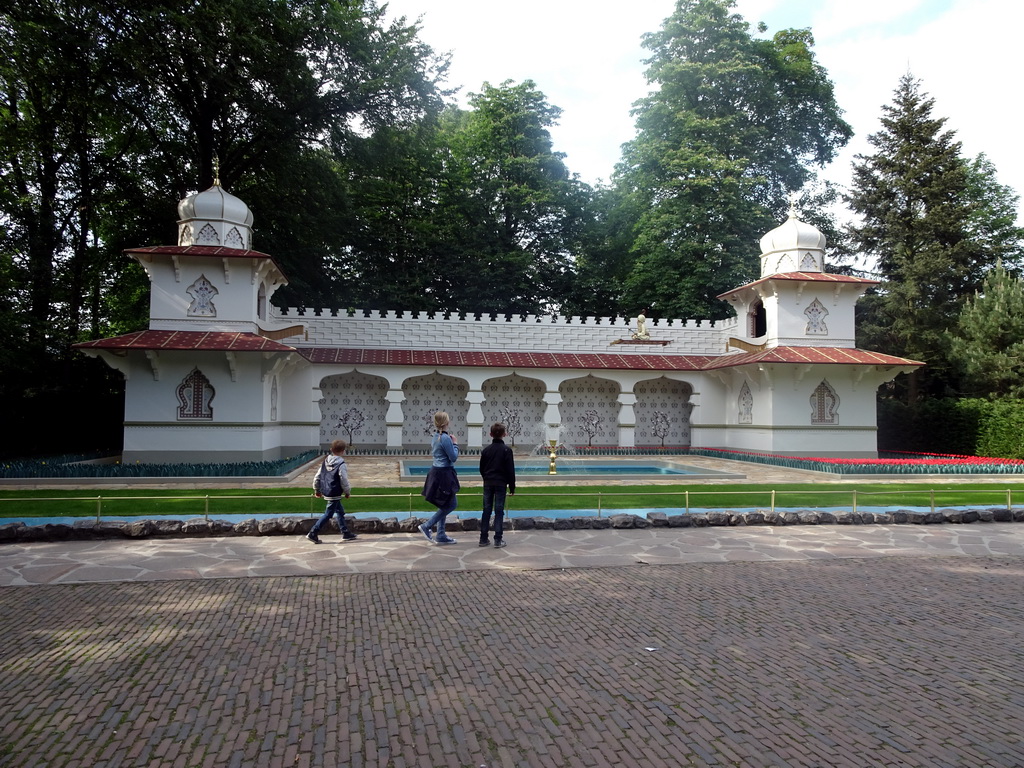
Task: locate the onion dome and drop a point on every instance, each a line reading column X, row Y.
column 215, row 217
column 795, row 246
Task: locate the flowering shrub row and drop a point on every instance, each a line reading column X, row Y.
column 889, row 464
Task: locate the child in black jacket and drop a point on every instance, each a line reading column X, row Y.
column 498, row 470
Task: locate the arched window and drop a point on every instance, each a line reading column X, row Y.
column 195, row 397
column 824, row 405
column 746, row 405
column 758, row 320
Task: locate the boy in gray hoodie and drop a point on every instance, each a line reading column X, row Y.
column 331, row 483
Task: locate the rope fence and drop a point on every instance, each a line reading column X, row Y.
column 684, row 500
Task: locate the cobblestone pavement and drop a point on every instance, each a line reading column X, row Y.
column 811, row 646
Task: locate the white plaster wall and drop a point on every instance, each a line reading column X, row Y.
column 184, row 442
column 792, row 325
column 782, row 413
column 390, row 330
column 792, row 399
column 235, row 301
column 234, row 401
column 298, row 400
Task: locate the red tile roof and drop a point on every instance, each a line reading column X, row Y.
column 431, row 358
column 809, row 277
column 207, row 251
column 815, row 355
column 201, row 250
column 251, row 342
column 185, row 340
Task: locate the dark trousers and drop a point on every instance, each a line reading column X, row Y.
column 494, row 498
column 333, row 508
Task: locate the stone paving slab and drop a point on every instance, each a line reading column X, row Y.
column 835, row 647
column 75, row 562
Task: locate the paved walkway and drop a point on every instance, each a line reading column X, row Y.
column 803, row 646
column 155, row 559
column 793, row 646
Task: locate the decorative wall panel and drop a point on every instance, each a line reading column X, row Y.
column 424, row 395
column 517, row 402
column 357, row 400
column 662, row 413
column 590, row 412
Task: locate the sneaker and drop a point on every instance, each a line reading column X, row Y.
column 313, row 537
column 499, row 543
column 348, row 536
column 426, row 532
column 484, row 543
column 445, row 540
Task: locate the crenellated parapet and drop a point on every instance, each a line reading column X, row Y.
column 384, row 329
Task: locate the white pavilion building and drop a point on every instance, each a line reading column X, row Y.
column 222, row 375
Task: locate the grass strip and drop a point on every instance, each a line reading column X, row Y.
column 18, row 504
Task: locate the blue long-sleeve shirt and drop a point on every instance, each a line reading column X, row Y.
column 444, row 451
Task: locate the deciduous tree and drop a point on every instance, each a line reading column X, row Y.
column 735, row 124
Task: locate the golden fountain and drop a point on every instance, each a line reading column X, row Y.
column 552, row 457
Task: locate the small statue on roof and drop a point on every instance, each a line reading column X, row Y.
column 641, row 334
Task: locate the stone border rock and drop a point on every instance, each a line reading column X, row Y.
column 299, row 526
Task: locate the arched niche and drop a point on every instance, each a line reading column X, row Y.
column 354, row 400
column 663, row 406
column 424, row 396
column 518, row 403
column 589, row 411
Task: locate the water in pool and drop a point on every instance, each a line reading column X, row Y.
column 571, row 468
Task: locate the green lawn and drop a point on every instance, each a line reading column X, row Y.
column 290, row 501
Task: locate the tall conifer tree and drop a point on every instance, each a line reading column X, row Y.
column 989, row 343
column 915, row 214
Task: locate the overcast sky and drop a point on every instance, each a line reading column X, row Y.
column 586, row 58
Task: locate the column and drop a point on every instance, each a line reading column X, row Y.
column 475, row 419
column 627, row 420
column 395, row 417
column 552, row 416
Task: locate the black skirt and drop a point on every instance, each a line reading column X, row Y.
column 440, row 487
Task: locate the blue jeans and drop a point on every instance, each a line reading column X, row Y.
column 333, row 508
column 494, row 497
column 440, row 515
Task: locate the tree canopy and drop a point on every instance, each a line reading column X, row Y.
column 374, row 190
column 933, row 224
column 734, row 125
column 988, row 341
column 110, row 113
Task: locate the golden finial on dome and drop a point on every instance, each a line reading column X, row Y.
column 216, row 170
